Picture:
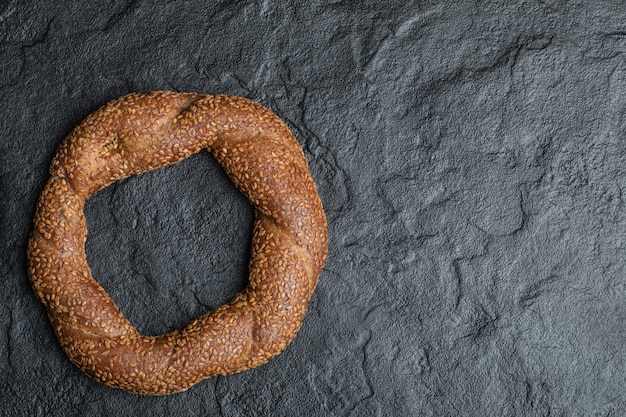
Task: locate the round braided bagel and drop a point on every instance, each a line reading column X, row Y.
column 146, row 131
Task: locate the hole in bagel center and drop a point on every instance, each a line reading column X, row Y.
column 171, row 244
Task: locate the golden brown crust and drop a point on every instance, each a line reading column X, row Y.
column 145, row 131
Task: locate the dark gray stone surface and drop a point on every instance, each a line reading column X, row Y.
column 471, row 157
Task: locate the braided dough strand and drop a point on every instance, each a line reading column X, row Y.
column 146, row 131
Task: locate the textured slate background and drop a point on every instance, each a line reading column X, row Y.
column 471, row 157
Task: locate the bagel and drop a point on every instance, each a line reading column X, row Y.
column 140, row 132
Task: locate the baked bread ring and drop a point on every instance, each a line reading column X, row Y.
column 146, row 131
